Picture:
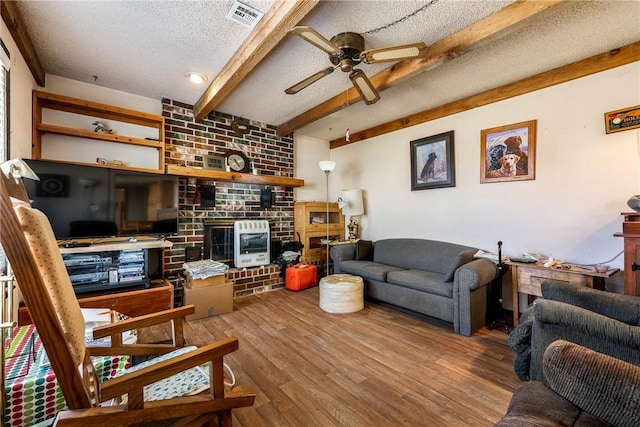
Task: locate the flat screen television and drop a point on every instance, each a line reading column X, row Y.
column 92, row 202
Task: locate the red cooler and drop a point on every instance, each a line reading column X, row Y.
column 301, row 276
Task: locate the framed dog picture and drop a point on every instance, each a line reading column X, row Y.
column 508, row 153
column 432, row 162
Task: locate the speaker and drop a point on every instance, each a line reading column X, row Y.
column 266, row 198
column 208, row 196
column 193, row 253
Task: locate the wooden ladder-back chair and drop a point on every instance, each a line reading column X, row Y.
column 31, row 248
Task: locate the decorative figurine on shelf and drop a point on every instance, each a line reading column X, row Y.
column 100, row 127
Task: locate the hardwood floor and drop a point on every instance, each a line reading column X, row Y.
column 376, row 367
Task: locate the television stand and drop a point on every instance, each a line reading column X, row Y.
column 133, row 303
column 130, row 261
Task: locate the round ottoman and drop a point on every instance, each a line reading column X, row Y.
column 341, row 293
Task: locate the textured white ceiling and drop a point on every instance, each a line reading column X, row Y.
column 145, row 47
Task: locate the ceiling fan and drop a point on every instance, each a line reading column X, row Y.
column 346, row 50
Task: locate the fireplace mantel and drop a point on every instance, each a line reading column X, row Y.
column 245, row 178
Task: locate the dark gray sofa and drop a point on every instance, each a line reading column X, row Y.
column 438, row 279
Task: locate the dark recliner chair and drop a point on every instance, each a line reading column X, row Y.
column 582, row 388
column 605, row 322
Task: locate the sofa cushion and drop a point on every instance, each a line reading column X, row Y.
column 367, row 269
column 420, row 280
column 419, row 254
column 364, row 250
column 461, row 259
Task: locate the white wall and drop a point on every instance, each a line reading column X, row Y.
column 307, row 153
column 572, row 208
column 21, row 85
column 97, row 93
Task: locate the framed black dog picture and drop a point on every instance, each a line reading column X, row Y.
column 433, row 162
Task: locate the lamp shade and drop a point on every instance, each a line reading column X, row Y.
column 353, row 204
column 18, row 168
column 327, row 165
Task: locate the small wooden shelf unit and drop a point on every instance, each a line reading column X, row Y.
column 310, row 222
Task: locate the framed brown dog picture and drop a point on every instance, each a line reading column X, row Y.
column 432, row 162
column 508, row 153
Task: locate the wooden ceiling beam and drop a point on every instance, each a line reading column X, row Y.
column 272, row 28
column 12, row 18
column 446, row 49
column 595, row 64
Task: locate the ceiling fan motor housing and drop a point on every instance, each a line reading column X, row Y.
column 351, row 44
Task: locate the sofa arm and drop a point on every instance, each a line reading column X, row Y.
column 625, row 308
column 475, row 274
column 596, row 383
column 470, row 295
column 341, row 253
column 555, row 320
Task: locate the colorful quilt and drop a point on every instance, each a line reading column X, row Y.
column 31, row 388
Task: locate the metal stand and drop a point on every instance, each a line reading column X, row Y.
column 494, row 312
column 327, row 172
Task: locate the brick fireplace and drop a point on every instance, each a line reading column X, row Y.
column 186, row 142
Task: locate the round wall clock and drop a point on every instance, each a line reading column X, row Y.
column 237, row 161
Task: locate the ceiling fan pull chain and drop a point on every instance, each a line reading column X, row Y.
column 404, row 18
column 346, row 135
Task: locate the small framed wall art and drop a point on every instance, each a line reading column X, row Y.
column 508, row 153
column 214, row 162
column 432, row 162
column 624, row 119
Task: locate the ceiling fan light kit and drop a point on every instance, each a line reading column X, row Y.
column 346, row 51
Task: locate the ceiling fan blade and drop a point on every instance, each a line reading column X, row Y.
column 316, row 39
column 363, row 85
column 394, row 53
column 306, row 82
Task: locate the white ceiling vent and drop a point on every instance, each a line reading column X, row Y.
column 245, row 15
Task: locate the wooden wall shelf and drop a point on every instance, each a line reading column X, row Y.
column 43, row 100
column 245, row 178
column 49, row 101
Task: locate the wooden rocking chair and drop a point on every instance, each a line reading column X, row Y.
column 31, row 248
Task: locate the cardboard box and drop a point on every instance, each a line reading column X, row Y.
column 209, row 301
column 220, row 279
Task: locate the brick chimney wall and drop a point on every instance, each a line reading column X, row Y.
column 186, row 142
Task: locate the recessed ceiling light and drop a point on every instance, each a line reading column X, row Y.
column 196, row 78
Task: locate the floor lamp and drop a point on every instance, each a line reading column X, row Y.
column 327, row 166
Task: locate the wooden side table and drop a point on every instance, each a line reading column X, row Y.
column 527, row 278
